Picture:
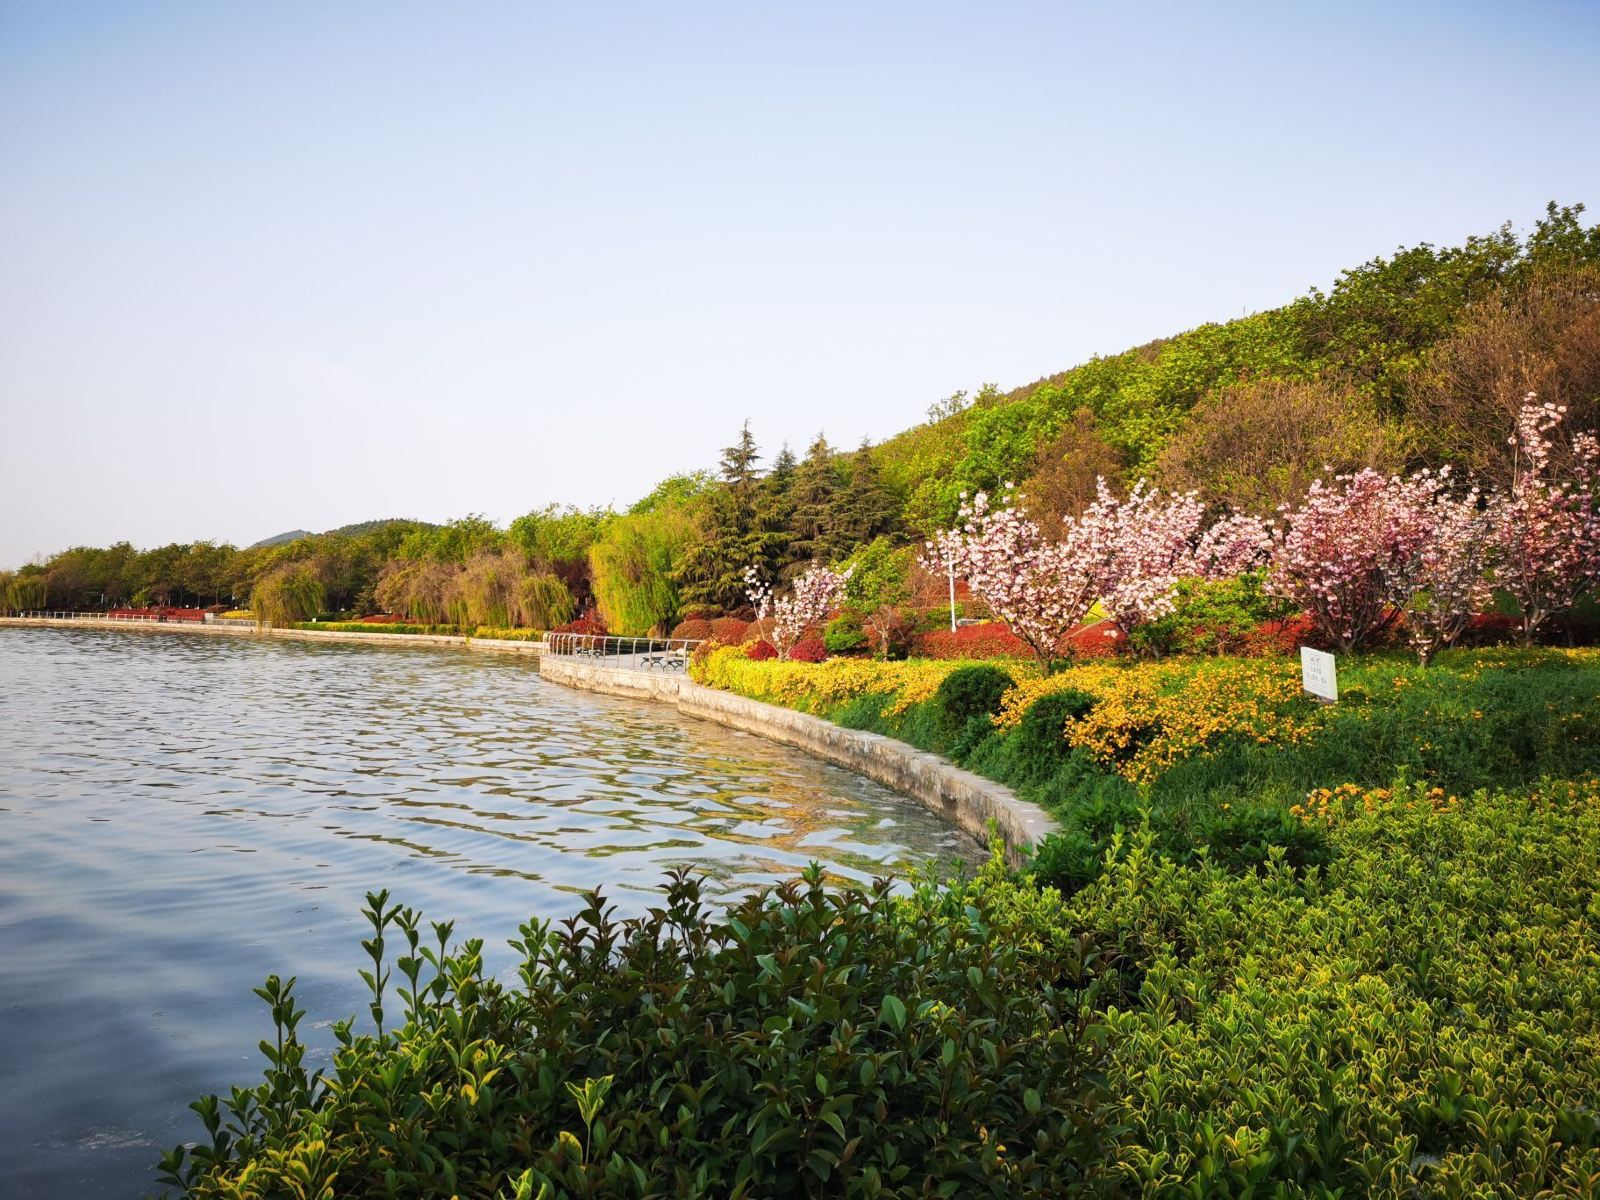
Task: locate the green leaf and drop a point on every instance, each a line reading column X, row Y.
column 893, row 1012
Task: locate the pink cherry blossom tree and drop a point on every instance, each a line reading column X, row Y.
column 813, row 597
column 1039, row 588
column 1232, row 546
column 1450, row 573
column 1349, row 554
column 1546, row 529
column 1135, row 550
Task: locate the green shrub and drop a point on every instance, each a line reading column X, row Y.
column 844, row 634
column 968, row 692
column 1040, row 748
column 802, row 1043
column 1419, row 1018
column 1212, row 617
column 1243, row 837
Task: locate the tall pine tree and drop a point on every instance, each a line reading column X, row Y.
column 812, row 496
column 862, row 509
column 735, row 531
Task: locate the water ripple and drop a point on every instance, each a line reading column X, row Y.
column 180, row 816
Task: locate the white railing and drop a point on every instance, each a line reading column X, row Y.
column 626, row 653
column 55, row 615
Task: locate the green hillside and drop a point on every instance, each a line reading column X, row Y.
column 1406, row 358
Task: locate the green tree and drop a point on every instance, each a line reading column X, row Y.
column 878, row 586
column 735, row 530
column 862, row 509
column 816, row 484
column 634, row 564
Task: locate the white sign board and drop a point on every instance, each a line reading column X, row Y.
column 1319, row 674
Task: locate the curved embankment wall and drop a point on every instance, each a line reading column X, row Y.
column 310, row 635
column 967, row 801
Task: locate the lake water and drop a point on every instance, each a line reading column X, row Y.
column 182, row 815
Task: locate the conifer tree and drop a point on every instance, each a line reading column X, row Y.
column 815, row 487
column 735, row 530
column 861, row 510
column 775, row 510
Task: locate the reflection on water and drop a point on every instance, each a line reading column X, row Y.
column 180, row 816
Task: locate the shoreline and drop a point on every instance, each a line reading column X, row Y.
column 311, row 635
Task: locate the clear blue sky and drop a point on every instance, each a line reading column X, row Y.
column 276, row 265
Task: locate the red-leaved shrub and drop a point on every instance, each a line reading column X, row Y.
column 1101, row 640
column 1284, row 637
column 761, row 651
column 730, row 630
column 590, row 624
column 808, row 650
column 989, row 640
column 697, row 628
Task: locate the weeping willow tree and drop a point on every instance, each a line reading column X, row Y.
column 544, row 601
column 485, row 592
column 633, row 563
column 496, row 588
column 423, row 591
column 285, row 595
column 21, row 593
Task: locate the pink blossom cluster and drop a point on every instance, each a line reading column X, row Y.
column 1349, row 555
column 1358, row 552
column 1234, row 545
column 1546, row 529
column 1127, row 555
column 811, row 600
column 1451, row 575
column 1136, row 550
column 1039, row 588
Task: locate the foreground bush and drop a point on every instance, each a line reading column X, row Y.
column 803, row 1043
column 1422, row 1018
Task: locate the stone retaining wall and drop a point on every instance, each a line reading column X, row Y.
column 967, row 801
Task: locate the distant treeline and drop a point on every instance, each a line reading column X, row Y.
column 1421, row 358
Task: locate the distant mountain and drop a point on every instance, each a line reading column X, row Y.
column 293, row 535
column 359, row 529
column 362, row 527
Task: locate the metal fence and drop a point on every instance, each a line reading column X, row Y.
column 82, row 616
column 628, row 654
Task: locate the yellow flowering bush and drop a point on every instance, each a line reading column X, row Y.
column 1151, row 715
column 1158, row 717
column 821, row 687
column 1329, row 806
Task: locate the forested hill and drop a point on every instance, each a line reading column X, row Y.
column 1420, row 357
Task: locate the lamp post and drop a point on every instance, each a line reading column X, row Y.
column 951, row 567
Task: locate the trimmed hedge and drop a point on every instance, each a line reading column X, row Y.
column 376, row 627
